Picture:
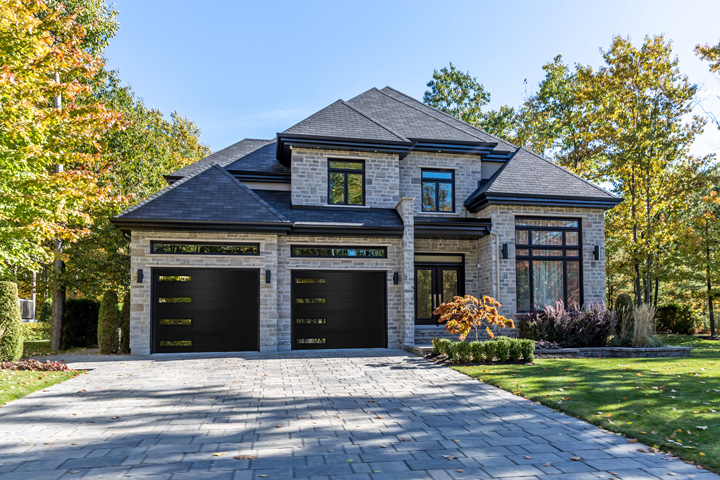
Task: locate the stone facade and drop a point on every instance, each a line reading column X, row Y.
column 389, row 183
column 503, row 225
column 309, row 174
column 142, row 259
column 467, row 169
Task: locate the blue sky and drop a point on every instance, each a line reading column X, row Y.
column 251, row 69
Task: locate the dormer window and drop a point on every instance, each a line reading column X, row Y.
column 346, row 182
column 438, row 191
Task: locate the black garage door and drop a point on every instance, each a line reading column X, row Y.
column 334, row 309
column 205, row 309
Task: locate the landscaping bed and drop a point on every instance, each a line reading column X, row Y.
column 668, row 403
column 616, row 352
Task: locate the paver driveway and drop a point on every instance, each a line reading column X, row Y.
column 352, row 415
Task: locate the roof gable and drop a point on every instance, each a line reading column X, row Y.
column 212, row 195
column 341, row 120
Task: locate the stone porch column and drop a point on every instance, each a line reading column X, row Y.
column 406, row 209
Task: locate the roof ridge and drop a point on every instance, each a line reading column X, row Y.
column 425, row 113
column 250, row 192
column 449, row 116
column 157, row 194
column 339, row 100
column 354, row 109
column 563, row 169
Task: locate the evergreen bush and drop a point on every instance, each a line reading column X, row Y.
column 11, row 339
column 125, row 324
column 108, row 334
column 45, row 313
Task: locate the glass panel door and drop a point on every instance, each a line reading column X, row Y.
column 435, row 284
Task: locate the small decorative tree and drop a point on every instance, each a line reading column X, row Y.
column 466, row 313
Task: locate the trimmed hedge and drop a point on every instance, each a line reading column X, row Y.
column 80, row 323
column 44, row 315
column 108, row 324
column 125, row 324
column 502, row 348
column 11, row 339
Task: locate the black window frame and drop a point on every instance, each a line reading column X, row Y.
column 531, row 257
column 436, row 183
column 337, row 247
column 345, row 172
column 154, row 243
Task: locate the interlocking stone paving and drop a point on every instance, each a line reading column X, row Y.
column 360, row 415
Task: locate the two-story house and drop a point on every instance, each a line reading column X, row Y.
column 349, row 228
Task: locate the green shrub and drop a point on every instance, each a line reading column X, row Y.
column 678, row 319
column 527, row 347
column 490, row 350
column 451, row 350
column 464, row 352
column 108, row 334
column 125, row 325
column 440, row 345
column 502, row 349
column 477, row 349
column 45, row 313
column 515, row 350
column 80, row 323
column 36, row 331
column 11, row 338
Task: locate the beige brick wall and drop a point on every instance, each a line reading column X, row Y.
column 503, row 224
column 467, row 169
column 140, row 293
column 310, row 176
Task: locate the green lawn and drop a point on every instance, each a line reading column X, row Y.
column 671, row 403
column 17, row 384
column 41, row 348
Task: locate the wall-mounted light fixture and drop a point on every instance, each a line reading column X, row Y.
column 139, row 275
column 396, row 278
column 505, row 251
column 596, row 252
column 268, row 276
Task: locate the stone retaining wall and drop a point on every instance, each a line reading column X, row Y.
column 618, row 352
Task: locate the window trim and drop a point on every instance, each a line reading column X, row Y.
column 345, row 172
column 349, row 247
column 436, row 183
column 172, row 242
column 564, row 258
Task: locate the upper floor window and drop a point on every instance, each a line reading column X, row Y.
column 547, row 252
column 346, row 182
column 438, row 191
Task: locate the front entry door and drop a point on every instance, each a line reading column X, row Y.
column 435, row 284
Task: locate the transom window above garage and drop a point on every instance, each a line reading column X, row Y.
column 338, row 252
column 192, row 248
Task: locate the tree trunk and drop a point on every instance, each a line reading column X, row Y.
column 58, row 299
column 710, row 295
column 657, row 287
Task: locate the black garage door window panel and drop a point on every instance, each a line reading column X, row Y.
column 224, row 310
column 355, row 309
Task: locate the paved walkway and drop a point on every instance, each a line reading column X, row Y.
column 321, row 416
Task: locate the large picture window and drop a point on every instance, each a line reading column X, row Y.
column 346, row 182
column 438, row 191
column 547, row 252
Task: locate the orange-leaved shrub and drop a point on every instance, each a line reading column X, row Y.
column 464, row 314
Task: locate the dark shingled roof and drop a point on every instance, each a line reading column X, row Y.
column 223, row 157
column 331, row 215
column 262, row 160
column 212, row 195
column 340, row 120
column 527, row 173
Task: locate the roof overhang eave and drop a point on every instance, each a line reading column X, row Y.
column 477, row 202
